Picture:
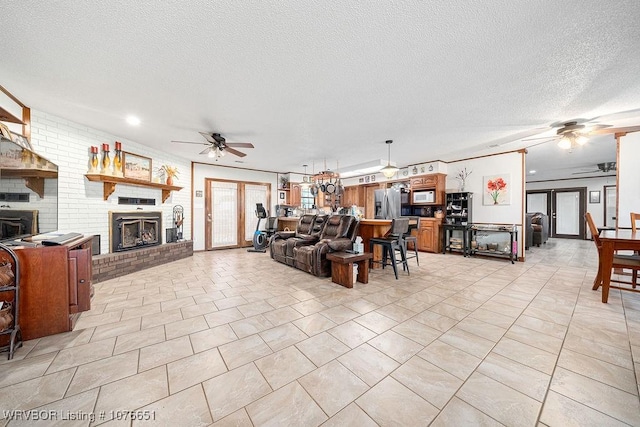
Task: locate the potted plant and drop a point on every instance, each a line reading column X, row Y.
column 169, row 172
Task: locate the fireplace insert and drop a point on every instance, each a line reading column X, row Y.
column 132, row 230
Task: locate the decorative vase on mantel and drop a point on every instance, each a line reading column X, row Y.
column 169, row 180
column 106, row 161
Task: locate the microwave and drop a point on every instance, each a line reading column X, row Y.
column 423, row 197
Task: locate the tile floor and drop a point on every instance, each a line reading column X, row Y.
column 231, row 338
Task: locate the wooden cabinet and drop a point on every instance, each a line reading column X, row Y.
column 429, row 235
column 436, row 181
column 295, row 194
column 353, row 195
column 55, row 287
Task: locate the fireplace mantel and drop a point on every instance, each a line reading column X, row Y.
column 109, row 182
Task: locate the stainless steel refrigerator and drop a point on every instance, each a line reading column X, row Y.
column 388, row 203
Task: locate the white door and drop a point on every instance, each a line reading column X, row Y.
column 568, row 213
column 610, row 206
column 224, row 214
column 537, row 202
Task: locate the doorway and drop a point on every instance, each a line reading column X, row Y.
column 610, row 220
column 565, row 208
column 230, row 212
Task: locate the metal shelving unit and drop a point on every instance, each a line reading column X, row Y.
column 13, row 331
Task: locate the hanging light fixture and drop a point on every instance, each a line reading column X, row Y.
column 389, row 171
column 571, row 140
column 305, row 179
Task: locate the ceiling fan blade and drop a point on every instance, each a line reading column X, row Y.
column 206, row 150
column 578, row 173
column 239, row 144
column 191, row 142
column 626, row 129
column 542, row 137
column 208, row 137
column 234, row 152
column 620, row 115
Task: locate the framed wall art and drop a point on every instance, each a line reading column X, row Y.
column 136, row 166
column 594, row 196
column 497, row 189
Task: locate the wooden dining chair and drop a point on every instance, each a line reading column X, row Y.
column 635, row 217
column 631, row 262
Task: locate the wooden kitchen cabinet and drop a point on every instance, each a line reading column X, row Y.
column 295, row 195
column 353, row 195
column 429, row 235
column 435, row 181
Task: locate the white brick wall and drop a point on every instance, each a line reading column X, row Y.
column 81, row 207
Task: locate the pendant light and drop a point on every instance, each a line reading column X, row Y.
column 305, row 179
column 389, row 171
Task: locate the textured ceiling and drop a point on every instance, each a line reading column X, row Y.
column 306, row 81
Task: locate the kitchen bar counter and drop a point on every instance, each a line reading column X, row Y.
column 370, row 228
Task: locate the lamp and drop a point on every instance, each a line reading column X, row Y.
column 570, row 140
column 389, row 171
column 305, row 180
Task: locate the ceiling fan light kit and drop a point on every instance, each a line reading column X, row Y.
column 218, row 145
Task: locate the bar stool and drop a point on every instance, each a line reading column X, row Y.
column 391, row 243
column 414, row 224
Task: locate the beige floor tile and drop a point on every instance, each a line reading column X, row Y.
column 135, row 340
column 210, row 338
column 396, row 312
column 103, row 371
column 352, row 415
column 114, row 329
column 130, row 313
column 322, row 348
column 451, row 311
column 559, row 410
column 198, row 309
column 530, row 356
column 284, row 366
column 185, row 327
column 82, row 354
column 314, row 324
column 239, row 418
column 499, row 401
column 601, row 397
column 283, row 336
column 333, row 387
column 177, row 303
column 339, row 314
column 535, row 339
column 255, row 308
column 282, row 315
column 282, row 301
column 462, row 302
column 161, row 318
column 187, row 408
column 309, row 307
column 289, row 406
column 361, row 306
column 453, row 360
column 418, row 332
column 25, row 369
column 243, row 351
column 435, row 320
column 376, row 322
column 86, row 322
column 194, row 369
column 471, row 343
column 231, row 302
column 390, row 403
column 540, row 312
column 164, row 352
column 36, row 392
column 459, row 413
column 352, row 334
column 543, row 326
column 369, row 364
column 64, row 411
column 526, row 380
column 598, row 350
column 133, row 392
column 60, row 341
column 223, row 317
column 234, row 390
column 396, row 346
column 500, row 308
column 250, row 326
column 607, row 373
column 493, row 318
column 430, row 382
column 482, row 329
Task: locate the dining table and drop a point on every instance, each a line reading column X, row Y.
column 612, row 241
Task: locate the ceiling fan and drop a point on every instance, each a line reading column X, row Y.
column 602, row 167
column 218, row 145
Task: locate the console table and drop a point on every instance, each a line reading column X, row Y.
column 510, row 251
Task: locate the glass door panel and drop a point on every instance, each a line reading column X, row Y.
column 253, row 194
column 224, row 214
column 536, row 202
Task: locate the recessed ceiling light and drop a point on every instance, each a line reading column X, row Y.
column 532, row 171
column 133, row 120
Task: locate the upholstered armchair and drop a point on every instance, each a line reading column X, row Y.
column 540, row 223
column 338, row 234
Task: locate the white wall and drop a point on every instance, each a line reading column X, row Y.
column 81, row 207
column 203, row 171
column 592, row 184
column 628, row 178
column 507, row 163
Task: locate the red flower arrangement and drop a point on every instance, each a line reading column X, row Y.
column 494, row 187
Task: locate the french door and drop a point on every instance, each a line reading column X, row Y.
column 565, row 208
column 230, row 212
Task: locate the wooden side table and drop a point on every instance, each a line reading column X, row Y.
column 342, row 267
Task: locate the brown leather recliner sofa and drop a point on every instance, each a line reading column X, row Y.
column 306, row 248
